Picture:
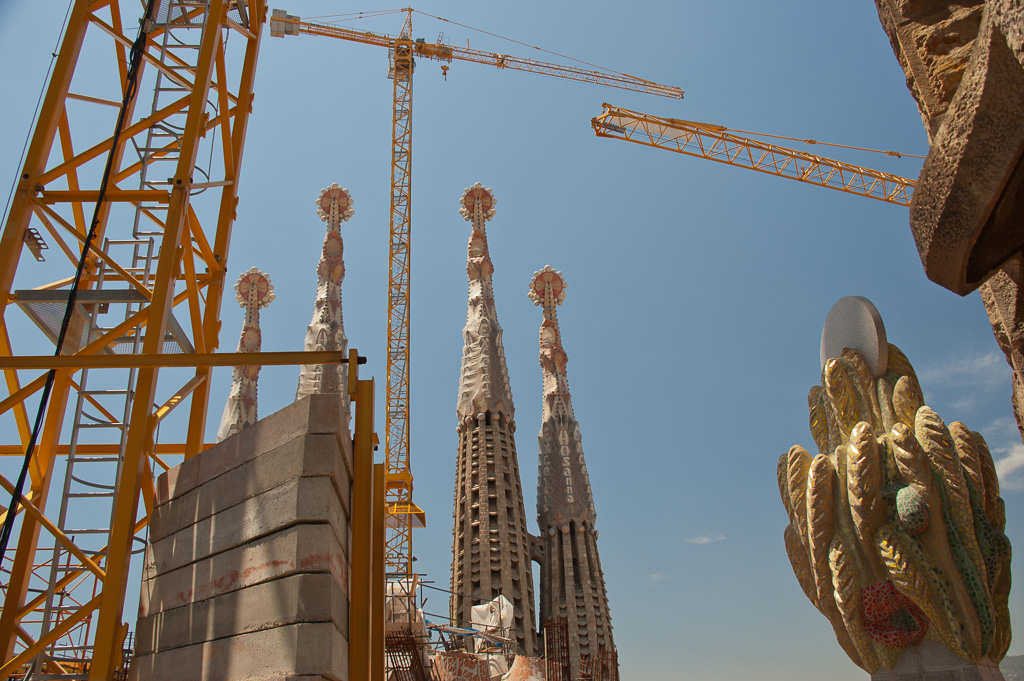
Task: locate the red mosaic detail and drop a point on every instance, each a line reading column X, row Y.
column 333, row 195
column 891, row 618
column 478, row 193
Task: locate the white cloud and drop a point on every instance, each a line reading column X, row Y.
column 657, row 577
column 1011, row 467
column 974, row 371
column 705, row 539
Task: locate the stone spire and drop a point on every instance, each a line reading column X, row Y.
column 491, row 547
column 253, row 292
column 327, row 330
column 571, row 582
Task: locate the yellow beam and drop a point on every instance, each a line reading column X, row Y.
column 209, row 359
column 377, row 576
column 110, row 448
column 93, row 195
column 360, row 557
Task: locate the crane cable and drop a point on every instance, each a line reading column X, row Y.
column 897, row 154
column 131, row 86
column 339, row 18
column 532, row 47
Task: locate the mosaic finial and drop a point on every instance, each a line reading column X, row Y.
column 334, row 202
column 327, row 329
column 477, row 203
column 253, row 292
column 485, row 385
column 548, row 287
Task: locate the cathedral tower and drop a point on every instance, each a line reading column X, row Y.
column 491, row 547
column 253, row 291
column 326, row 331
column 571, row 582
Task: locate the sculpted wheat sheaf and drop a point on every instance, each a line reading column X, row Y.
column 896, row 525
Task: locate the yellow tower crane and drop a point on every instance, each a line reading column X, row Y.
column 403, row 50
column 140, row 284
column 718, row 143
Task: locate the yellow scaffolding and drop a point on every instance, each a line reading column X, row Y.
column 205, row 95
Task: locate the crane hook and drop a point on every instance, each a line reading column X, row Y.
column 444, row 71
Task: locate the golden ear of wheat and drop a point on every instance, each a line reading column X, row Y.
column 864, row 484
column 843, row 393
column 899, row 365
column 970, row 457
column 911, row 461
column 883, row 393
column 907, row 399
column 865, row 382
column 1000, row 520
column 801, row 566
column 820, row 522
column 818, row 418
column 989, row 477
column 799, row 462
column 847, row 595
column 1000, row 600
column 910, row 571
column 937, row 443
column 782, row 474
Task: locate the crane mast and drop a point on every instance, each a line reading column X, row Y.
column 398, row 480
column 718, row 143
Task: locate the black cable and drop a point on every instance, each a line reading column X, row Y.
column 131, row 86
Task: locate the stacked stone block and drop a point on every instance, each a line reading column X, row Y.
column 246, row 575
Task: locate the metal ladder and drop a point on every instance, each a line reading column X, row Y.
column 102, row 411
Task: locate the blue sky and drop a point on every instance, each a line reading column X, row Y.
column 696, row 291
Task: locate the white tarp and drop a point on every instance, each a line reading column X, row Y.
column 400, row 601
column 492, row 618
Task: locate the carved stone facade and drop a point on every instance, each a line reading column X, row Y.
column 253, row 291
column 327, row 329
column 571, row 582
column 491, row 547
column 964, row 63
column 932, row 40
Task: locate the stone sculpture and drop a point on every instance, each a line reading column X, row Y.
column 964, row 63
column 571, row 583
column 896, row 525
column 327, row 329
column 490, row 545
column 253, row 291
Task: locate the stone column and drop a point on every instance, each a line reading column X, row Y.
column 490, row 547
column 327, row 329
column 572, row 584
column 253, row 291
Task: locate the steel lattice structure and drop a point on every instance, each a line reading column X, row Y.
column 717, row 143
column 398, row 494
column 158, row 250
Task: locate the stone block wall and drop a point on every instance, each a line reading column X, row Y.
column 246, row 576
